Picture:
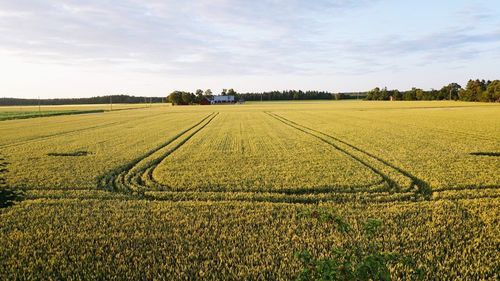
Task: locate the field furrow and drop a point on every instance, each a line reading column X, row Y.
column 127, row 178
column 235, row 192
column 395, row 177
column 269, row 159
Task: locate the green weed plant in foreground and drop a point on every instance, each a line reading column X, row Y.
column 359, row 257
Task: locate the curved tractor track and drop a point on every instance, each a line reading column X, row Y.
column 128, row 178
column 136, row 177
column 397, row 180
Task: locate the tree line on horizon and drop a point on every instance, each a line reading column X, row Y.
column 475, row 90
column 200, row 96
column 91, row 100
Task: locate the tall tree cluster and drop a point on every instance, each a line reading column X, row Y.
column 475, row 90
column 186, row 98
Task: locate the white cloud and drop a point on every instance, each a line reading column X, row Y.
column 214, row 40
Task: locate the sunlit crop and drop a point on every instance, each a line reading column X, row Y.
column 219, row 192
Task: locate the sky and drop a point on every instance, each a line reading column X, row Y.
column 59, row 48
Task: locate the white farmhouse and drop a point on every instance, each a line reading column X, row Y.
column 222, row 99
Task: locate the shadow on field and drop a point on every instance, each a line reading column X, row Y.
column 71, row 154
column 7, row 196
column 493, row 154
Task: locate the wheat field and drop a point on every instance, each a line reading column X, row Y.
column 216, row 192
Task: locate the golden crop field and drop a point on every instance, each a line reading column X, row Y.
column 220, row 192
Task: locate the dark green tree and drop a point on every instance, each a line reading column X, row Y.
column 187, row 98
column 473, row 91
column 397, row 95
column 199, row 95
column 384, row 94
column 373, row 94
column 419, row 94
column 492, row 93
column 449, row 92
column 410, row 95
column 175, row 97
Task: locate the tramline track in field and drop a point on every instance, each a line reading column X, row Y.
column 423, row 188
column 120, row 179
column 396, row 178
column 137, row 178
